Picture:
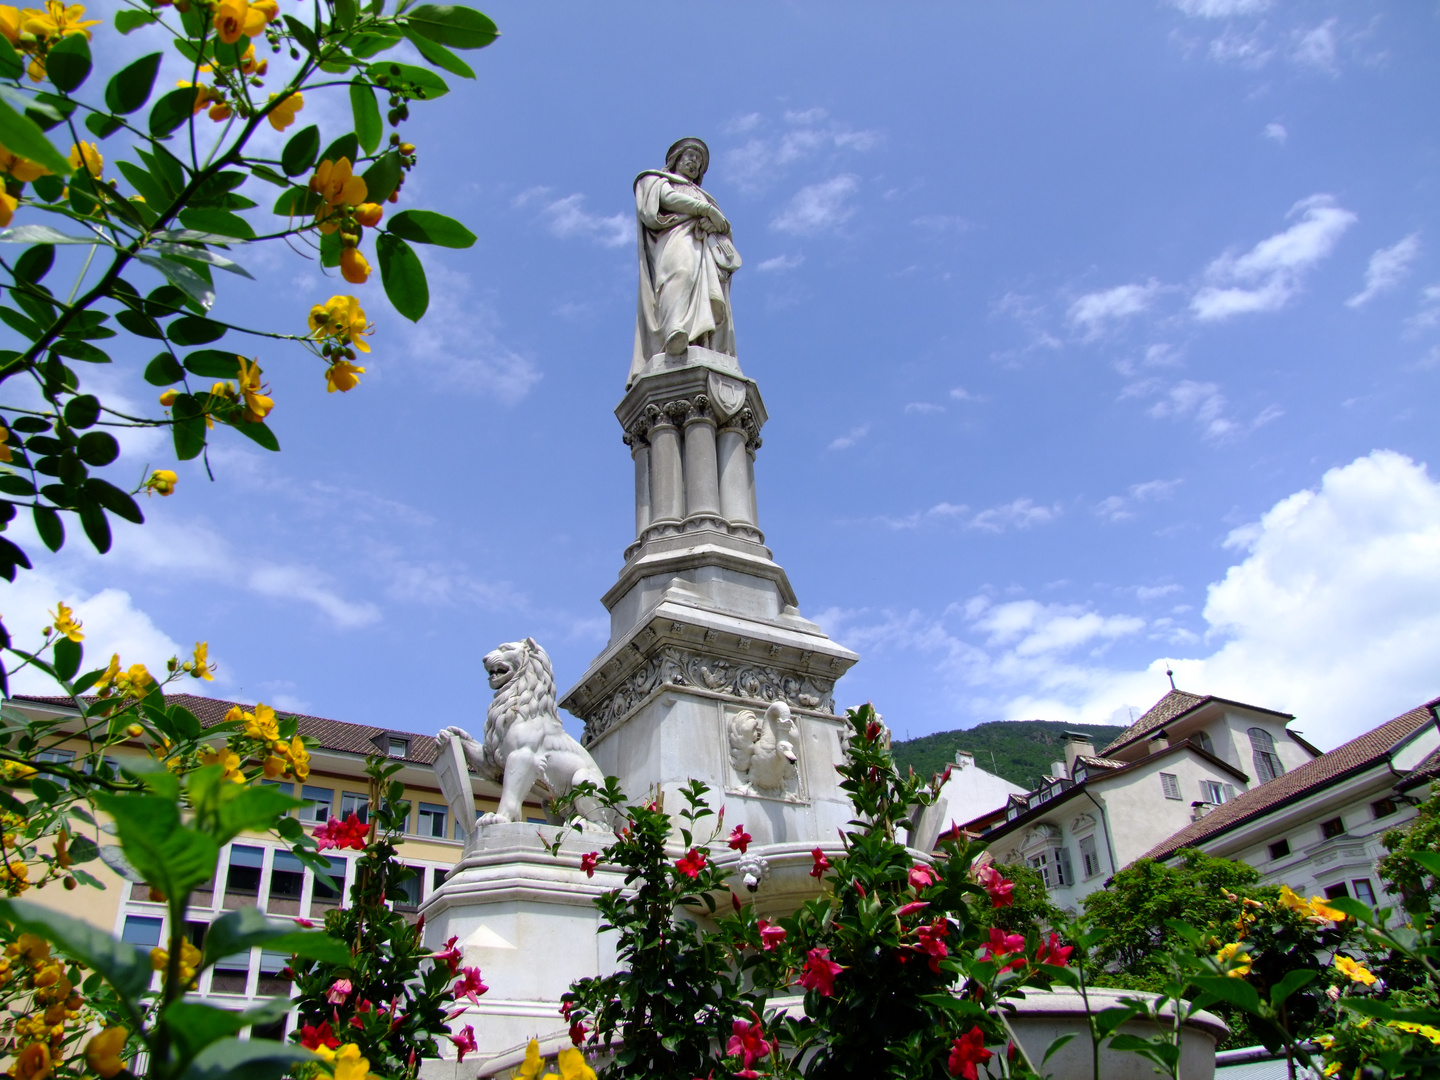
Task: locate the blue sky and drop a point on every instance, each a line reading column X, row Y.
column 1092, row 336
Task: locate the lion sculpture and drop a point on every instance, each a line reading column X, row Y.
column 525, row 743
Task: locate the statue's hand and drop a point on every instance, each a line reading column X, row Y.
column 718, row 221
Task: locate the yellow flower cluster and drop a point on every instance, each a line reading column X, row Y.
column 343, row 207
column 1315, row 909
column 200, row 667
column 249, row 394
column 570, row 1061
column 345, row 1063
column 39, row 1028
column 235, row 19
column 340, row 325
column 21, row 170
column 283, row 757
column 135, row 681
column 161, row 482
column 14, row 877
column 32, row 30
column 65, row 623
column 1354, row 970
column 189, row 960
column 1412, row 1028
column 1234, row 959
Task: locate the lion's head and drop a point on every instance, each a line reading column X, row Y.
column 524, row 684
column 506, row 660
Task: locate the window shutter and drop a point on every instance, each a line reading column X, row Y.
column 1170, row 784
column 1062, row 860
column 1229, row 792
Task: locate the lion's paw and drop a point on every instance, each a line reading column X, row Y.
column 491, row 819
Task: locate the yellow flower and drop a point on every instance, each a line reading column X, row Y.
column 1289, row 899
column 1431, row 1033
column 369, row 214
column 108, row 676
column 342, row 319
column 1324, row 910
column 5, row 454
column 134, row 681
column 299, row 759
column 88, row 154
column 1354, row 970
column 353, row 267
column 33, row 1063
column 236, row 18
column 573, row 1065
column 56, row 20
column 204, row 95
column 161, row 482
column 10, row 24
column 189, row 960
column 262, row 723
column 168, row 397
column 227, row 759
column 22, row 169
column 66, row 623
column 336, row 183
column 200, row 667
column 257, row 405
column 103, row 1052
column 274, row 766
column 283, row 114
column 15, row 876
column 134, row 731
column 1234, row 957
column 220, row 111
column 349, row 1065
column 531, row 1066
column 343, row 376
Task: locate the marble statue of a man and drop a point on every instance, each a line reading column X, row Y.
column 686, row 259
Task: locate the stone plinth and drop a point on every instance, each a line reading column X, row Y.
column 528, row 920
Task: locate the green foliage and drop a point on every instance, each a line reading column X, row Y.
column 1022, row 750
column 1031, row 909
column 1417, row 885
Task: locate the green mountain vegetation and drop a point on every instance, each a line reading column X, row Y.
column 1019, row 750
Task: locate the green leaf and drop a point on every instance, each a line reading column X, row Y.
column 82, row 412
column 297, row 202
column 79, row 350
column 346, row 12
column 114, row 500
column 123, row 966
column 68, row 62
column 194, row 1025
column 368, row 126
column 41, row 234
column 172, row 110
column 144, row 184
column 246, row 928
column 457, row 27
column 330, row 249
column 383, row 177
column 346, row 146
column 23, row 136
column 299, row 153
column 252, row 1059
column 214, row 222
column 1055, row 1046
column 169, row 855
column 131, row 86
column 34, row 263
column 163, row 370
column 440, row 56
column 103, row 126
column 127, row 19
column 188, row 430
column 403, row 276
column 1352, row 907
column 67, row 658
column 1293, row 981
column 166, row 168
column 428, row 227
column 50, row 527
column 241, row 808
column 422, row 82
column 269, row 175
column 97, row 528
column 182, row 276
column 260, row 434
column 302, row 34
column 1428, row 859
column 202, row 255
column 213, row 364
column 1235, row 991
column 193, row 330
column 11, row 63
column 98, row 448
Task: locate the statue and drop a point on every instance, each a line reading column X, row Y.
column 686, row 259
column 525, row 743
column 762, row 751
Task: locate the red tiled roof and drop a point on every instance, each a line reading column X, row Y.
column 1171, row 707
column 334, row 735
column 1353, row 756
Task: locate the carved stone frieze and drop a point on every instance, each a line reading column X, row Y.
column 682, row 667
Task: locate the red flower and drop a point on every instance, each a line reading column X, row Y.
column 565, row 1007
column 821, row 864
column 360, row 1010
column 577, row 1032
column 932, row 941
column 465, row 1041
column 748, row 1041
column 1052, row 952
column 739, row 839
column 945, row 776
column 966, row 1052
column 588, row 861
column 312, row 1037
column 469, row 984
column 922, row 877
column 449, row 956
column 910, row 909
column 820, row 971
column 306, row 923
column 770, row 935
column 351, row 832
column 691, row 864
column 1002, row 945
column 872, row 730
column 1000, row 888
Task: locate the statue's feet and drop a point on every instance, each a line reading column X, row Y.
column 677, row 343
column 492, row 819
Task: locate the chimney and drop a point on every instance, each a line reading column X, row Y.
column 1059, row 771
column 1159, row 741
column 1077, row 744
column 964, row 759
column 1199, row 809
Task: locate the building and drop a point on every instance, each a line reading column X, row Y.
column 1317, row 828
column 1098, row 812
column 972, row 791
column 259, row 871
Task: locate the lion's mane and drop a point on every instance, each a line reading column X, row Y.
column 529, row 693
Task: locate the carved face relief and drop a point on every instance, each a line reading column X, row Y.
column 502, row 664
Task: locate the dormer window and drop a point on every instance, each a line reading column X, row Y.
column 1203, row 740
column 397, row 746
column 1267, row 762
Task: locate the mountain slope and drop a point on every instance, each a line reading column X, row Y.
column 1019, row 750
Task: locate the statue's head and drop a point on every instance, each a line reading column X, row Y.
column 688, row 157
column 508, row 660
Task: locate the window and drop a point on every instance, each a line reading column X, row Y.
column 55, row 757
column 1203, row 740
column 231, row 974
column 1053, row 865
column 1332, row 828
column 322, row 803
column 1279, row 849
column 1382, row 807
column 1267, row 764
column 1334, row 892
column 354, row 802
column 1089, row 856
column 412, row 886
column 1170, row 784
column 287, row 788
column 287, row 877
column 324, row 894
column 397, row 746
column 245, row 864
column 432, row 820
column 1063, row 873
column 1212, row 791
column 461, row 833
column 273, row 982
column 1363, row 892
column 273, row 1030
column 141, row 930
column 195, row 931
column 1041, row 864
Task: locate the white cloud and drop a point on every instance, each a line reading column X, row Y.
column 1220, row 9
column 1094, row 310
column 1146, row 593
column 308, row 584
column 1030, row 628
column 1202, row 401
column 1269, row 274
column 1242, row 48
column 959, row 393
column 1020, row 514
column 940, row 224
column 850, row 438
column 567, row 218
column 1429, row 314
column 742, row 124
column 923, row 407
column 1032, row 317
column 1316, row 47
column 1122, row 507
column 819, row 207
column 1387, row 267
column 780, row 263
column 761, row 159
column 1276, row 131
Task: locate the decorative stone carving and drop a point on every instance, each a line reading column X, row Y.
column 699, row 409
column 1043, row 833
column 682, row 667
column 726, row 395
column 753, row 869
column 1083, row 823
column 762, row 752
column 525, row 743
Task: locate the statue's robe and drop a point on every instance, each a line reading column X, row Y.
column 683, row 288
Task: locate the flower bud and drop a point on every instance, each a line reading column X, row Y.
column 168, row 397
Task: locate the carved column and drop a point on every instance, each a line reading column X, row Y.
column 702, row 477
column 752, row 443
column 735, row 502
column 667, row 490
column 639, row 445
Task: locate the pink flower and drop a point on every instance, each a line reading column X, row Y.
column 691, row 864
column 910, row 909
column 1052, row 952
column 739, row 839
column 339, row 990
column 465, row 1041
column 577, row 1032
column 922, row 877
column 1000, row 888
column 588, row 862
column 747, row 1041
column 469, row 984
column 306, row 923
column 449, row 956
column 821, row 864
column 931, row 942
column 945, row 776
column 351, row 832
column 966, row 1052
column 1002, row 945
column 820, row 971
column 770, row 935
